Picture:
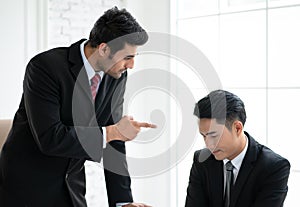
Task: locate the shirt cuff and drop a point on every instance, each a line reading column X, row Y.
column 104, row 137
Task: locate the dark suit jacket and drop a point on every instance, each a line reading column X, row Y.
column 261, row 182
column 56, row 128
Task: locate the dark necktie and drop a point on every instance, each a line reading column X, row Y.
column 94, row 84
column 229, row 183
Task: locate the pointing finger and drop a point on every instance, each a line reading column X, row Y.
column 145, row 124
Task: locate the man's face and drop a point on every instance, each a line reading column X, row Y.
column 222, row 143
column 121, row 61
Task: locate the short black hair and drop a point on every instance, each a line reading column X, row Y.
column 117, row 25
column 223, row 106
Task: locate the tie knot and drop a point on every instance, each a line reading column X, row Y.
column 229, row 166
column 95, row 80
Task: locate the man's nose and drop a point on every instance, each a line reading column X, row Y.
column 130, row 63
column 210, row 144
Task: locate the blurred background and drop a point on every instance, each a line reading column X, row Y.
column 253, row 46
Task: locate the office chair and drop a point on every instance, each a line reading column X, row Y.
column 5, row 125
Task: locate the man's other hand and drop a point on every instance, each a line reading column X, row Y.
column 136, row 205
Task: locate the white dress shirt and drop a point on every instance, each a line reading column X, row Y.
column 236, row 162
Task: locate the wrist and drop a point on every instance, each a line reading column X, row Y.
column 112, row 133
column 109, row 130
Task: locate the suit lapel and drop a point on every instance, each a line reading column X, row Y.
column 245, row 170
column 82, row 103
column 78, row 70
column 216, row 180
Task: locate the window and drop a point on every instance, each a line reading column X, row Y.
column 254, row 46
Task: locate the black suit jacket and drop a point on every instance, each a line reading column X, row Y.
column 261, row 182
column 56, row 128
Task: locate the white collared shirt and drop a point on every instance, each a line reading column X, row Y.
column 236, row 162
column 89, row 69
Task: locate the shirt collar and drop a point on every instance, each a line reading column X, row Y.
column 89, row 69
column 237, row 161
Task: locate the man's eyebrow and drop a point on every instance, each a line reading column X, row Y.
column 133, row 55
column 130, row 56
column 209, row 133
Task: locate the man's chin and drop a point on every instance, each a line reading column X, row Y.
column 219, row 157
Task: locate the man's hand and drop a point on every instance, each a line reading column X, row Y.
column 126, row 129
column 136, row 205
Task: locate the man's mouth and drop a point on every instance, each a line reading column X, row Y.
column 216, row 151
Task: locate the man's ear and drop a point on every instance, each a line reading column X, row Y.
column 237, row 127
column 103, row 49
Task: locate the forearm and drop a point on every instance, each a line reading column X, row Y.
column 118, row 182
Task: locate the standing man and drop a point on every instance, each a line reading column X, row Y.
column 234, row 170
column 71, row 111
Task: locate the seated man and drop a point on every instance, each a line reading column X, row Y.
column 234, row 170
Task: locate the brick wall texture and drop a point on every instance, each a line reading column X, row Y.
column 71, row 20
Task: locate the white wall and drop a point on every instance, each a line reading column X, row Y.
column 22, row 35
column 12, row 57
column 72, row 20
column 153, row 189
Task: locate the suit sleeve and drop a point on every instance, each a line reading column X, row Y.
column 117, row 177
column 42, row 104
column 274, row 188
column 116, row 173
column 196, row 194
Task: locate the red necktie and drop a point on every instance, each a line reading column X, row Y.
column 94, row 84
